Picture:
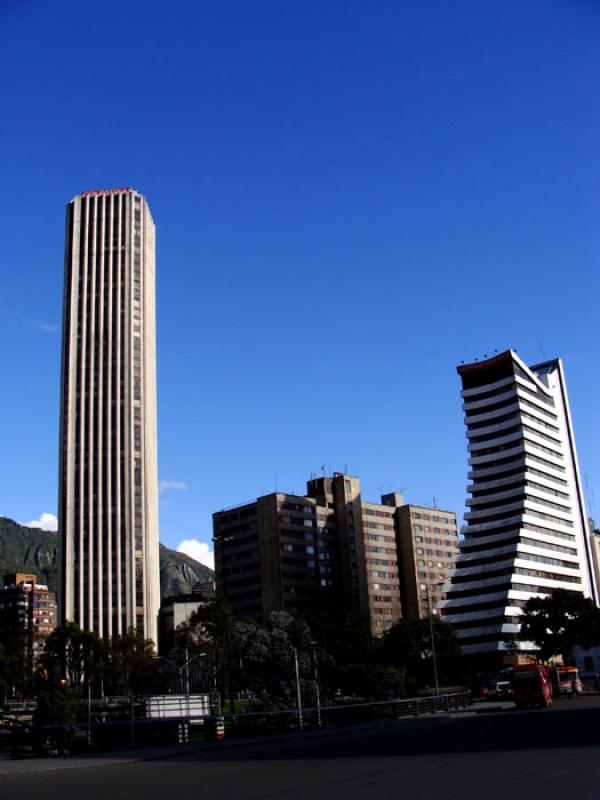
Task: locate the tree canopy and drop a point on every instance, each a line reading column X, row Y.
column 557, row 623
column 120, row 665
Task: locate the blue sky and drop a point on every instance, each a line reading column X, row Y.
column 350, row 199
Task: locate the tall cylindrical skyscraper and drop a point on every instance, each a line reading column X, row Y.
column 108, row 487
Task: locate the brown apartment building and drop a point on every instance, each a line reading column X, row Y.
column 27, row 615
column 324, row 552
column 428, row 544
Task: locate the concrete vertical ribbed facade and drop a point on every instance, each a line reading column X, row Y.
column 108, row 487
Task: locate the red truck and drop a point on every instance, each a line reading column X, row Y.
column 532, row 686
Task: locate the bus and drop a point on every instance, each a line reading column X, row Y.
column 562, row 680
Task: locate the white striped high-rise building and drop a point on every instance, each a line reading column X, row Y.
column 526, row 529
column 108, row 495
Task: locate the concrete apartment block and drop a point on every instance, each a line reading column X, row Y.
column 323, row 553
column 428, row 544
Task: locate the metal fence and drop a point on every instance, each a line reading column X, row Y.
column 345, row 713
column 109, row 733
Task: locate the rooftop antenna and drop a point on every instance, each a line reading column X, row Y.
column 542, row 349
column 435, row 505
column 275, row 482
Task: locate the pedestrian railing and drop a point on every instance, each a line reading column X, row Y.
column 109, row 733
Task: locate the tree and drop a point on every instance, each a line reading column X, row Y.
column 372, row 681
column 559, row 622
column 267, row 659
column 346, row 637
column 58, row 707
column 121, row 665
column 13, row 676
column 73, row 655
column 211, row 629
column 407, row 646
column 130, row 666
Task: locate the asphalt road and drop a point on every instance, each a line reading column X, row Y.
column 505, row 754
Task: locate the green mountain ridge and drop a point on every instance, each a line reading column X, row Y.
column 24, row 549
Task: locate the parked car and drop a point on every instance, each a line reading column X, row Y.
column 501, row 690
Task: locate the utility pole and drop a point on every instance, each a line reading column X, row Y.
column 317, row 687
column 131, row 708
column 298, row 692
column 433, row 654
column 186, row 667
column 89, row 710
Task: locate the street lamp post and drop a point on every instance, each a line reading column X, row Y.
column 298, row 692
column 186, row 672
column 317, row 687
column 433, row 654
column 431, row 633
column 182, row 671
column 89, row 712
column 131, row 707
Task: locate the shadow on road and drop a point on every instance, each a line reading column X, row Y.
column 567, row 726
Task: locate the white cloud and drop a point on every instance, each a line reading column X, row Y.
column 179, row 486
column 197, row 550
column 49, row 327
column 46, row 521
column 40, row 324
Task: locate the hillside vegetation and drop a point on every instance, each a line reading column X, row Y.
column 24, row 549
